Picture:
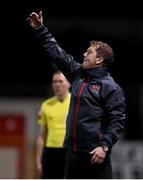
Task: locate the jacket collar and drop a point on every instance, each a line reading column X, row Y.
column 95, row 73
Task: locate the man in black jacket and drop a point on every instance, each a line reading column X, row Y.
column 97, row 108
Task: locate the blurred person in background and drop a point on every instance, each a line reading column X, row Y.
column 50, row 157
column 97, row 108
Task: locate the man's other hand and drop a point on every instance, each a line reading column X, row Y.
column 98, row 155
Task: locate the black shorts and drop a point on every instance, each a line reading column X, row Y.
column 53, row 163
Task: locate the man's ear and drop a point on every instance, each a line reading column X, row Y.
column 68, row 85
column 99, row 60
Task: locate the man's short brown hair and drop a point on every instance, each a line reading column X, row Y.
column 103, row 50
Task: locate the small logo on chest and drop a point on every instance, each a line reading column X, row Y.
column 95, row 88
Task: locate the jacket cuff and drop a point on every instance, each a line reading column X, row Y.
column 104, row 143
column 40, row 30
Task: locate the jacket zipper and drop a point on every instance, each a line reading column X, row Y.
column 76, row 113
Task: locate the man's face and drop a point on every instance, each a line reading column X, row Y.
column 60, row 84
column 90, row 58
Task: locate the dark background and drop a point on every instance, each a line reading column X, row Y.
column 26, row 72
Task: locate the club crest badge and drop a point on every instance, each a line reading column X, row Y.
column 96, row 88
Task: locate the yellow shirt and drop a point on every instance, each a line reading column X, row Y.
column 53, row 115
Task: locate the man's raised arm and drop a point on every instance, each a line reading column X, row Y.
column 56, row 54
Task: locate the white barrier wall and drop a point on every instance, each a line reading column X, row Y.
column 127, row 157
column 9, row 110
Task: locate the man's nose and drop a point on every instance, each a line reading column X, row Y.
column 84, row 55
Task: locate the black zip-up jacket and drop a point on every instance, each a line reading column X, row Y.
column 97, row 108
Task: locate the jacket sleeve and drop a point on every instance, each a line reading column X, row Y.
column 115, row 107
column 65, row 62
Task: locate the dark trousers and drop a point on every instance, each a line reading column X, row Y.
column 78, row 166
column 53, row 163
